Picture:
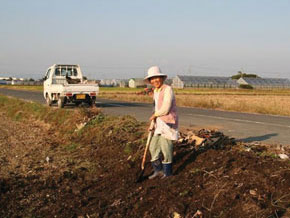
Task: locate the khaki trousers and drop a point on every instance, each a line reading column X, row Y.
column 160, row 144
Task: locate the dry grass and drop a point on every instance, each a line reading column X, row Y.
column 264, row 104
column 277, row 105
column 82, row 126
column 22, row 87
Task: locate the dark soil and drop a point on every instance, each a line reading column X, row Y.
column 42, row 177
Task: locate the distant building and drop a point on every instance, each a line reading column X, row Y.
column 182, row 81
column 5, row 78
column 108, row 82
column 105, row 82
column 124, row 83
column 38, row 83
column 4, row 82
column 17, row 82
column 168, row 81
column 26, row 82
column 89, row 81
column 265, row 83
column 137, row 83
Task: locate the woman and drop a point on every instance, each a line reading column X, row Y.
column 166, row 124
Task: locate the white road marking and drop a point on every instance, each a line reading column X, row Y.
column 240, row 120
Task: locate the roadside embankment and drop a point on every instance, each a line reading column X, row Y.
column 82, row 163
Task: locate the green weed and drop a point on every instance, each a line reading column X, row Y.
column 18, row 116
column 183, row 193
column 267, row 154
column 128, row 148
column 194, row 171
column 97, row 120
column 72, row 147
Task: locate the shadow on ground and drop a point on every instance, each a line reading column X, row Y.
column 258, row 138
column 119, row 104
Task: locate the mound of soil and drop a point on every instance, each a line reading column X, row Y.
column 39, row 177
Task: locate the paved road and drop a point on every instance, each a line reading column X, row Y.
column 242, row 126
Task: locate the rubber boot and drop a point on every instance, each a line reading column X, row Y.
column 157, row 167
column 167, row 169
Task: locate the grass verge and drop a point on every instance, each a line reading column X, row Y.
column 82, row 126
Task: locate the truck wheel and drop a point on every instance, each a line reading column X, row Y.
column 48, row 101
column 92, row 103
column 60, row 103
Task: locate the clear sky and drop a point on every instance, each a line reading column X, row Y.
column 123, row 38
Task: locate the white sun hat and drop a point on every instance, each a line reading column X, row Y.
column 154, row 72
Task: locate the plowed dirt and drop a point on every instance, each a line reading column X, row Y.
column 39, row 177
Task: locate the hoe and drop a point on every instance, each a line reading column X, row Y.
column 151, row 132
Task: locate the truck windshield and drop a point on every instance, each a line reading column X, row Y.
column 67, row 71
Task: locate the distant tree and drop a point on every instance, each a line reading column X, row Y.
column 241, row 74
column 31, row 80
column 245, row 86
column 251, row 75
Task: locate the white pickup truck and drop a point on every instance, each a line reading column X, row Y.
column 65, row 84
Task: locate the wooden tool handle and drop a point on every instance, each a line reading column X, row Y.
column 151, row 131
column 151, row 127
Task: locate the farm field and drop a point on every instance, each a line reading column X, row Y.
column 89, row 169
column 275, row 102
column 21, row 87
